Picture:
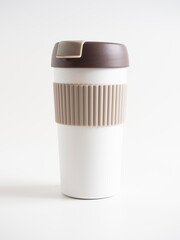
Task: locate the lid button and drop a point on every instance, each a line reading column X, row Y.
column 70, row 49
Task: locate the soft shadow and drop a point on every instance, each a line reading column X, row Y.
column 31, row 191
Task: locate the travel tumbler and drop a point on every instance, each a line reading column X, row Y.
column 89, row 97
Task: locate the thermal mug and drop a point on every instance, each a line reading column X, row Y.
column 90, row 81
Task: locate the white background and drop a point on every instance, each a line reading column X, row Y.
column 31, row 205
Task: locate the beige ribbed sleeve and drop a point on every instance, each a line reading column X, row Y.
column 89, row 105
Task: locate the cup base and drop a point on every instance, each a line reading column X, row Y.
column 89, row 198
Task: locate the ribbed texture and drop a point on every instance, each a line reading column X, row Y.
column 89, row 105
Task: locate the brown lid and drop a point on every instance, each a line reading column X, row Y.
column 81, row 54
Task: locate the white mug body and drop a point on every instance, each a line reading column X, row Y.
column 90, row 156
